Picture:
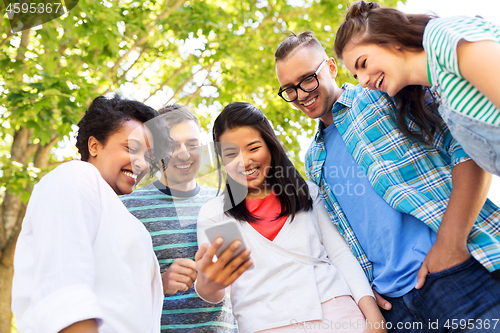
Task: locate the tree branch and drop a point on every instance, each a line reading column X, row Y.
column 43, row 153
column 18, row 151
column 25, row 39
column 194, row 95
column 1, row 11
column 145, row 35
column 207, row 67
column 7, row 251
column 170, row 78
column 9, row 34
column 118, row 78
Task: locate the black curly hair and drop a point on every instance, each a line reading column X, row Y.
column 105, row 116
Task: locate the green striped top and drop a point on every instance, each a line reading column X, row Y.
column 440, row 42
column 171, row 222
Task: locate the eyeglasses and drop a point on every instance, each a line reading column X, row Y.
column 308, row 84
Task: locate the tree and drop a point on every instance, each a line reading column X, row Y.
column 204, row 54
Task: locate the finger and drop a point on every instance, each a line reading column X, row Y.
column 193, row 275
column 187, row 263
column 213, row 248
column 189, row 267
column 201, row 251
column 422, row 276
column 237, row 273
column 184, row 279
column 175, row 286
column 237, row 261
column 382, row 302
column 175, row 277
column 189, row 283
column 228, row 253
column 181, row 270
column 207, row 259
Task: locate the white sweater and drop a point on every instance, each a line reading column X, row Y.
column 82, row 255
column 279, row 290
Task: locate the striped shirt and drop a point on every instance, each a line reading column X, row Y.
column 171, row 222
column 413, row 177
column 440, row 42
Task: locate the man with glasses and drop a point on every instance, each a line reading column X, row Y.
column 393, row 201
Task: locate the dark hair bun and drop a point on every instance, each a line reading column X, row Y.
column 360, row 8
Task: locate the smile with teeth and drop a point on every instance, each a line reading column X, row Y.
column 184, row 166
column 130, row 174
column 249, row 172
column 310, row 102
column 379, row 81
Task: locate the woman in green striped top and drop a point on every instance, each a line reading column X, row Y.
column 411, row 55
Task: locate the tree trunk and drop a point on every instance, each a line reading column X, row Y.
column 6, row 274
column 12, row 213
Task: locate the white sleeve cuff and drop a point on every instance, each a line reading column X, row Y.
column 202, row 297
column 64, row 307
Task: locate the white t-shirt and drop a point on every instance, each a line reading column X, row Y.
column 82, row 255
column 279, row 290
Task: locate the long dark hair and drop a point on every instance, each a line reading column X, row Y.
column 294, row 199
column 369, row 23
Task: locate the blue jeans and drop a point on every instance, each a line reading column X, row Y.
column 463, row 298
column 481, row 141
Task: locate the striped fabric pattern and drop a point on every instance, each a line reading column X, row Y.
column 171, row 222
column 440, row 42
column 413, row 177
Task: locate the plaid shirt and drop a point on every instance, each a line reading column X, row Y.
column 413, row 177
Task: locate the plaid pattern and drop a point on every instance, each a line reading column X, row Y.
column 413, row 177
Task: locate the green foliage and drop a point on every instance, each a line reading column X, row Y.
column 202, row 53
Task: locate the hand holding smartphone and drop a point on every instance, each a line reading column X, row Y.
column 229, row 232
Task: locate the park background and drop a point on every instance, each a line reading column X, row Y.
column 204, row 54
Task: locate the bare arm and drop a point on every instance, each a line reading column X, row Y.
column 85, row 326
column 470, row 189
column 478, row 64
column 374, row 319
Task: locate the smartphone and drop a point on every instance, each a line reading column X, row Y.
column 229, row 232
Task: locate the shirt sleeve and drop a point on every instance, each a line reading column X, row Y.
column 339, row 252
column 443, row 34
column 56, row 247
column 449, row 147
column 308, row 164
column 210, row 214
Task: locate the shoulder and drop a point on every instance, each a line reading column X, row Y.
column 313, row 189
column 72, row 183
column 442, row 25
column 212, row 210
column 207, row 191
column 145, row 195
column 311, row 151
column 72, row 173
column 142, row 191
column 215, row 205
column 452, row 29
column 357, row 95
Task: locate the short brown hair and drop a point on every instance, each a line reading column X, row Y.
column 293, row 42
column 175, row 114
